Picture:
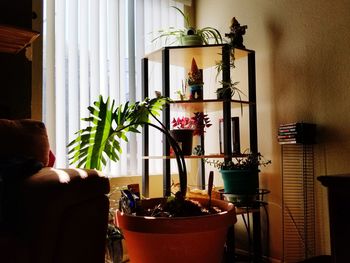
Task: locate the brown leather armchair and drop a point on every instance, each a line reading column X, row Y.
column 53, row 215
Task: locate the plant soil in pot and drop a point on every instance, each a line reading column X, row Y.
column 178, row 239
column 184, row 138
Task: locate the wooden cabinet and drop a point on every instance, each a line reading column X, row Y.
column 16, row 71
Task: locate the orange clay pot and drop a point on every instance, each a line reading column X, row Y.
column 181, row 239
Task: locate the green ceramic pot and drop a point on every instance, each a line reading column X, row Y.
column 240, row 185
column 191, row 40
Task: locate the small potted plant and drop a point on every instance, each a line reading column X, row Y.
column 184, row 128
column 236, row 41
column 228, row 90
column 240, row 176
column 189, row 36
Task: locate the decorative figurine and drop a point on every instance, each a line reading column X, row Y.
column 195, row 82
column 236, row 34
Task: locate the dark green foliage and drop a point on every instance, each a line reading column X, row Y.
column 107, row 126
column 174, row 34
column 248, row 162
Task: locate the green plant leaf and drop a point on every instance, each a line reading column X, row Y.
column 186, row 17
column 91, row 141
column 100, row 140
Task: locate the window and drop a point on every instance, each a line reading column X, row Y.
column 94, row 47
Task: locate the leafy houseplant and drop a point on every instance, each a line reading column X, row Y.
column 240, row 176
column 228, row 90
column 100, row 140
column 236, row 41
column 252, row 161
column 151, row 240
column 184, row 128
column 198, row 123
column 189, row 35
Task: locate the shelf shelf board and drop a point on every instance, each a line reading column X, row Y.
column 14, row 39
column 209, row 105
column 208, row 156
column 206, row 56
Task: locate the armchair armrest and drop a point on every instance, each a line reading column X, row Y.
column 65, row 212
column 65, row 186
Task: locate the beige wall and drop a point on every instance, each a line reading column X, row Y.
column 302, row 64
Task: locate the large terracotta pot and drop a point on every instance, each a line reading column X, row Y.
column 174, row 240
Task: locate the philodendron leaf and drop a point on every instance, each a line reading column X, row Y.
column 102, row 124
column 107, row 126
column 91, row 141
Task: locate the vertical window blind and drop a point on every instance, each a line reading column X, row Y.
column 92, row 48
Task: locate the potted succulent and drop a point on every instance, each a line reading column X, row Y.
column 189, row 36
column 151, row 237
column 184, row 128
column 240, row 176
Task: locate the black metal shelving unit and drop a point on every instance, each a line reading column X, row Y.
column 182, row 56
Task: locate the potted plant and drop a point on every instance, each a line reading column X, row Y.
column 240, row 176
column 184, row 128
column 228, row 90
column 236, row 41
column 114, row 245
column 149, row 238
column 189, row 36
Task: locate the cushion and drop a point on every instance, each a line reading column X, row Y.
column 52, row 159
column 24, row 138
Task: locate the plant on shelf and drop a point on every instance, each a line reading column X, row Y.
column 250, row 161
column 236, row 41
column 198, row 123
column 93, row 145
column 227, row 90
column 184, row 128
column 189, row 35
column 240, row 176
